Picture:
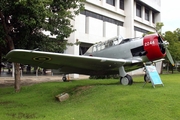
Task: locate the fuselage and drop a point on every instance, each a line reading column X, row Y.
column 104, row 58
column 148, row 48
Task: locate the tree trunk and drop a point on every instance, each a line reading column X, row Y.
column 0, row 61
column 10, row 43
column 17, row 77
column 168, row 67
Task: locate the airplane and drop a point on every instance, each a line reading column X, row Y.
column 113, row 56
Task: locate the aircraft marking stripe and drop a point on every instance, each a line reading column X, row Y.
column 41, row 58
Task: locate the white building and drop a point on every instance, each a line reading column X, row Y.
column 103, row 19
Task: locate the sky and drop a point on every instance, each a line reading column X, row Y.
column 170, row 15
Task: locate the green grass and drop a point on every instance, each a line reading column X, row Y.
column 100, row 100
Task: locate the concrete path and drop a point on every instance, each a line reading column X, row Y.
column 8, row 80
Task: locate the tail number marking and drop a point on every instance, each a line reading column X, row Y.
column 148, row 43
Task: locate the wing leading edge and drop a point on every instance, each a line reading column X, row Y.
column 67, row 63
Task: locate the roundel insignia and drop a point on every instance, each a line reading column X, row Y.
column 41, row 58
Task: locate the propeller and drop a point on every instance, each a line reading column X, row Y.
column 169, row 57
column 165, row 44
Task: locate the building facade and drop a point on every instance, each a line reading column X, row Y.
column 104, row 19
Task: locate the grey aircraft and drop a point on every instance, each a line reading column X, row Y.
column 113, row 56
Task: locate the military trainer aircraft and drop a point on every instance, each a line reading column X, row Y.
column 114, row 56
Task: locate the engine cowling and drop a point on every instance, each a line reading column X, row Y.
column 153, row 46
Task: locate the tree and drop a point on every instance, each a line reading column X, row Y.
column 2, row 46
column 159, row 26
column 23, row 21
column 174, row 43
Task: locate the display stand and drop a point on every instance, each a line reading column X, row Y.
column 152, row 76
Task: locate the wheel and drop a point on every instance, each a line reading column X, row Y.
column 127, row 80
column 64, row 79
column 124, row 81
column 146, row 78
column 130, row 79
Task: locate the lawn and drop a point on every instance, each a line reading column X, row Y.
column 94, row 100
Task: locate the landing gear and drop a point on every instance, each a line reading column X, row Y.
column 126, row 80
column 64, row 78
column 147, row 79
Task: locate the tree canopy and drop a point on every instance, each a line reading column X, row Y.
column 22, row 23
column 174, row 43
column 24, row 20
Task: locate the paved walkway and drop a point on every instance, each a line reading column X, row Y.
column 8, row 80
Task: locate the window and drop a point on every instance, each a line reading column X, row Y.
column 111, row 2
column 101, row 17
column 121, row 4
column 140, row 29
column 153, row 17
column 147, row 14
column 138, row 10
column 83, row 47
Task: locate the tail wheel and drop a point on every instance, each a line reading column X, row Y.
column 126, row 80
column 64, row 78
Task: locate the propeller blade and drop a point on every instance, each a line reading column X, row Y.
column 165, row 45
column 169, row 57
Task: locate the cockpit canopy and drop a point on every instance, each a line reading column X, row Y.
column 105, row 44
column 108, row 43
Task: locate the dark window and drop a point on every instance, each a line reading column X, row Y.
column 84, row 47
column 121, row 4
column 111, row 2
column 140, row 30
column 153, row 17
column 147, row 14
column 138, row 10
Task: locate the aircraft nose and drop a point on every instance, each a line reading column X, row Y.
column 153, row 47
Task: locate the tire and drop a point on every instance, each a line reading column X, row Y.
column 146, row 79
column 130, row 79
column 127, row 80
column 64, row 79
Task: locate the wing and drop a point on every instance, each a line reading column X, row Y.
column 65, row 62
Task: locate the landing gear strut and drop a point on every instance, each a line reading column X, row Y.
column 126, row 80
